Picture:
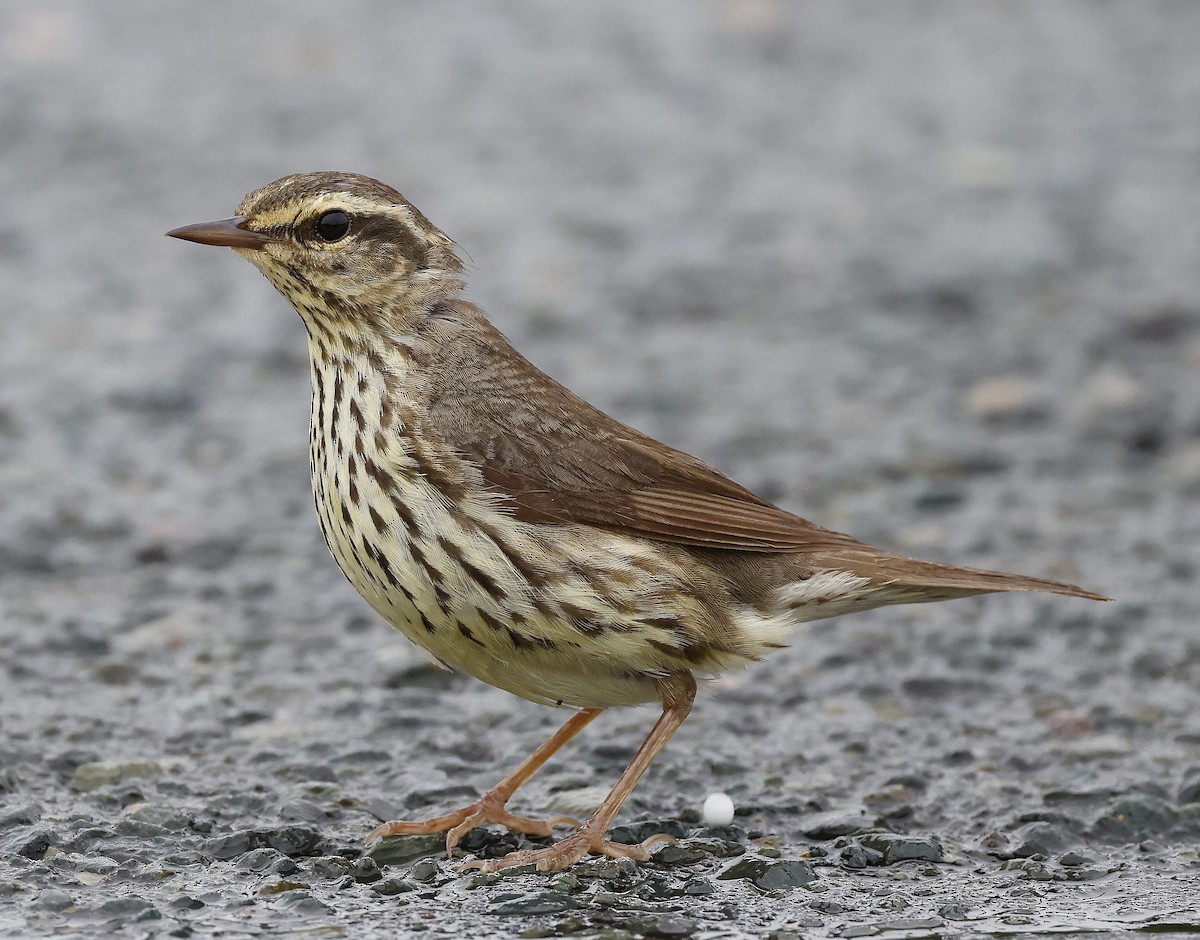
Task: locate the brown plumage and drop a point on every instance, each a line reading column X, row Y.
column 511, row 529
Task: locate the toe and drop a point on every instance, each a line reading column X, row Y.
column 424, row 827
column 534, row 827
column 566, row 853
column 640, row 852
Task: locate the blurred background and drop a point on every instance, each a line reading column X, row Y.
column 923, row 271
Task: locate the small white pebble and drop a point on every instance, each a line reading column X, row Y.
column 718, row 810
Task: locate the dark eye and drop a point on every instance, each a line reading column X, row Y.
column 333, row 225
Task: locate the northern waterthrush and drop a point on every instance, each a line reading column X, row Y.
column 512, row 530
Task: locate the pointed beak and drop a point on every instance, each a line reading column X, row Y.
column 231, row 233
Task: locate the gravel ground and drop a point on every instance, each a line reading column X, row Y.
column 923, row 271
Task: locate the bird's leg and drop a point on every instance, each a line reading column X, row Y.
column 491, row 807
column 677, row 693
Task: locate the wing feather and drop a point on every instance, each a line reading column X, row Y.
column 551, row 457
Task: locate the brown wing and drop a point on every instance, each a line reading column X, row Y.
column 555, row 458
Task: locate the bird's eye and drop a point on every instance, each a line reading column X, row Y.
column 333, row 225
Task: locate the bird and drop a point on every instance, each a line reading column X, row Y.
column 515, row 532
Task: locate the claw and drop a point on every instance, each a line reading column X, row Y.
column 492, row 806
column 570, row 850
column 487, row 809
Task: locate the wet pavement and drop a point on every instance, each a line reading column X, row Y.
column 924, row 272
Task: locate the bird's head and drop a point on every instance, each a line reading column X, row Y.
column 339, row 245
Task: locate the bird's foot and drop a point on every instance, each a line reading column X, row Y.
column 570, row 850
column 489, row 808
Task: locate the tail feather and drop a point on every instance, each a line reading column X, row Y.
column 943, row 581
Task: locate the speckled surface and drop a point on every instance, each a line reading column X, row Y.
column 926, row 272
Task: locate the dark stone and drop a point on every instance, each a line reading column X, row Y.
column 425, row 870
column 857, row 857
column 938, row 497
column 955, row 910
column 420, row 675
column 718, row 848
column 698, row 887
column 321, row 772
column 284, row 866
column 293, row 841
column 9, row 781
column 897, row 847
column 401, row 850
column 418, row 799
column 936, row 687
column 1031, row 869
column 365, row 756
column 607, row 869
column 724, row 833
column 31, row 844
column 488, row 843
column 131, row 908
column 152, row 553
column 211, row 554
column 365, row 871
column 633, row 833
column 159, row 403
column 258, row 860
column 24, row 815
column 539, row 902
column 1166, row 324
column 1134, row 817
column 832, row 825
column 1152, row 664
column 566, row 881
column 1043, row 838
column 680, row 855
column 302, row 902
column 185, row 859
column 858, row 930
column 53, row 899
column 332, row 867
column 303, row 811
column 66, row 763
column 915, row 782
column 769, row 875
column 1062, row 820
column 912, row 923
column 668, row 925
column 1190, row 792
column 392, row 886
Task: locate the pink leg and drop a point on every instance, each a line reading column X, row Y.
column 491, row 807
column 677, row 693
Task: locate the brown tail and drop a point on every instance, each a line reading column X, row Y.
column 942, row 581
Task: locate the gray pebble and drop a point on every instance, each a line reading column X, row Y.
column 24, row 815
column 896, row 847
column 769, row 875
column 1134, row 817
column 425, row 870
column 53, row 899
column 293, row 841
column 92, row 775
column 31, row 844
column 538, row 902
column 831, row 825
column 401, row 850
column 389, row 887
column 1043, row 838
column 130, row 909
